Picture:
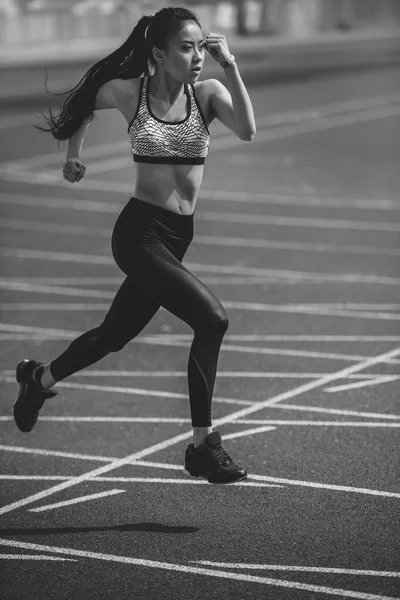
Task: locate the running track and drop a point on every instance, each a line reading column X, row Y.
column 298, row 235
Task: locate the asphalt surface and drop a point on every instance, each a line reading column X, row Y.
column 297, row 233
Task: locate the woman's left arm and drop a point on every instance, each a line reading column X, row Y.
column 231, row 106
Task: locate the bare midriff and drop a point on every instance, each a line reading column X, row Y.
column 172, row 187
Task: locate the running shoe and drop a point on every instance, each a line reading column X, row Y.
column 212, row 462
column 31, row 396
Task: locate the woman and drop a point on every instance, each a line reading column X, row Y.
column 152, row 79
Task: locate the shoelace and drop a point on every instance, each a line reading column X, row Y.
column 220, row 455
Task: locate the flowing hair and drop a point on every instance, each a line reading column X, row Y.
column 130, row 60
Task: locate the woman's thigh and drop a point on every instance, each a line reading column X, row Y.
column 173, row 286
column 131, row 310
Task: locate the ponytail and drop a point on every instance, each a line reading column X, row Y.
column 129, row 60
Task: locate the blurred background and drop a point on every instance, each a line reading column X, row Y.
column 29, row 27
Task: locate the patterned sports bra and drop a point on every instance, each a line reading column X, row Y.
column 153, row 140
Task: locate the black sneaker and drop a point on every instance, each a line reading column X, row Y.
column 31, row 396
column 212, row 462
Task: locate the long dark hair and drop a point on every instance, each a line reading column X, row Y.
column 130, row 60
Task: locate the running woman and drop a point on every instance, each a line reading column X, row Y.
column 153, row 80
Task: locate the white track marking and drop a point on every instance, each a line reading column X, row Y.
column 232, row 576
column 134, row 391
column 302, row 128
column 316, row 409
column 242, row 218
column 306, row 387
column 54, row 306
column 269, row 134
column 58, row 453
column 338, row 411
column 303, row 222
column 229, row 374
column 146, row 480
column 76, row 500
column 176, row 467
column 246, row 338
column 223, row 280
column 367, row 572
column 34, row 557
column 246, row 432
column 21, row 286
column 336, row 488
column 9, row 327
column 292, row 276
column 261, row 350
column 360, row 384
column 289, row 116
column 204, row 195
column 166, row 340
column 208, row 240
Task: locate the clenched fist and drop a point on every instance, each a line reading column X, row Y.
column 217, row 47
column 73, row 170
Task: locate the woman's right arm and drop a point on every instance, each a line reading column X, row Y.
column 74, row 169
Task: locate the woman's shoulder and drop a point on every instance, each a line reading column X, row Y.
column 208, row 87
column 115, row 92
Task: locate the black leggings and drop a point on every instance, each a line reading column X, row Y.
column 148, row 244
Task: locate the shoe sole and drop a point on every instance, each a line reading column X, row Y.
column 196, row 474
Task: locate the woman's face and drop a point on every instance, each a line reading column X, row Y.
column 184, row 55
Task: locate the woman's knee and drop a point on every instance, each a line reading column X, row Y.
column 216, row 326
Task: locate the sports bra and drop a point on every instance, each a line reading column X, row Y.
column 153, row 140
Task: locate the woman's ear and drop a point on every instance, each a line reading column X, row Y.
column 158, row 55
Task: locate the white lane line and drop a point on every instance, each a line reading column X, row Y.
column 76, row 500
column 165, row 340
column 261, row 350
column 360, row 384
column 289, row 116
column 229, row 374
column 233, row 338
column 284, row 274
column 134, row 391
column 154, row 448
column 297, row 199
column 58, row 453
column 256, row 484
column 175, row 467
column 304, row 223
column 177, row 420
column 208, row 240
column 322, row 124
column 254, row 219
column 21, row 120
column 205, row 195
column 367, row 572
column 222, row 280
column 22, row 286
column 140, row 562
column 246, row 432
column 13, row 328
column 54, row 306
column 337, row 411
column 269, row 134
column 34, row 557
